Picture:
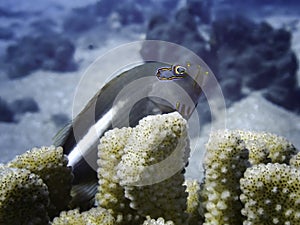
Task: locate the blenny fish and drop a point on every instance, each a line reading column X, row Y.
column 103, row 113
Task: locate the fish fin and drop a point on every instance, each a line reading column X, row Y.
column 62, row 135
column 83, row 195
column 163, row 105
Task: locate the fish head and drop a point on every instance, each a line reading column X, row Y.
column 181, row 86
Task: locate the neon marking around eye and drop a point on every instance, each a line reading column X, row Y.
column 179, row 70
column 169, row 73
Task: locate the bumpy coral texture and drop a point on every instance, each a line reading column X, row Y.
column 193, row 202
column 271, row 194
column 94, row 216
column 225, row 162
column 266, row 147
column 159, row 221
column 295, row 161
column 141, row 175
column 156, row 149
column 150, row 169
column 110, row 193
column 23, row 198
column 51, row 165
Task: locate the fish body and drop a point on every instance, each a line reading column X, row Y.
column 104, row 112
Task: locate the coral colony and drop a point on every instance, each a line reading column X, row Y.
column 251, row 178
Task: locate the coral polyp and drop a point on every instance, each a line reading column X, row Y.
column 271, row 194
column 94, row 216
column 225, row 162
column 159, row 221
column 242, row 186
column 51, row 165
column 23, row 197
column 251, row 178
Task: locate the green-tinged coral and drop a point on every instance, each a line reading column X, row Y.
column 150, row 169
column 94, row 216
column 23, row 198
column 51, row 165
column 251, row 178
column 295, row 161
column 266, row 147
column 159, row 221
column 225, row 162
column 156, row 149
column 267, row 189
column 110, row 193
column 166, row 199
column 193, row 202
column 271, row 195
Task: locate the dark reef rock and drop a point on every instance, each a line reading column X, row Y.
column 104, row 8
column 49, row 52
column 281, row 96
column 12, row 112
column 24, row 105
column 201, row 9
column 6, row 113
column 80, row 20
column 160, row 28
column 135, row 11
column 284, row 92
column 130, row 14
column 232, row 90
column 288, row 63
column 6, row 33
column 182, row 30
column 259, row 55
column 4, row 12
column 44, row 26
column 155, row 22
column 261, row 50
column 243, row 55
column 234, row 33
column 84, row 18
column 186, row 19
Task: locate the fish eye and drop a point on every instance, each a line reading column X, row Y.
column 179, row 70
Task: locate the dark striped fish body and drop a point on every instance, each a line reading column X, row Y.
column 104, row 112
